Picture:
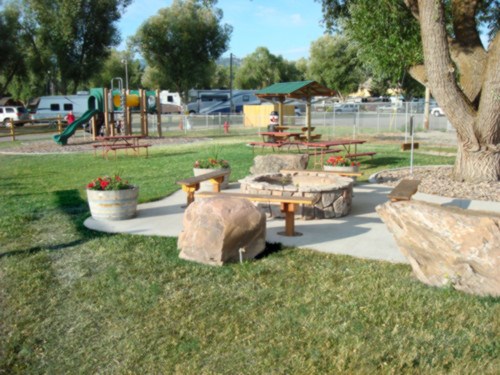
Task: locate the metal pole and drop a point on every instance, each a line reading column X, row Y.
column 124, row 61
column 411, row 150
column 231, row 109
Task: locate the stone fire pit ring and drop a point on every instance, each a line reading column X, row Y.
column 332, row 193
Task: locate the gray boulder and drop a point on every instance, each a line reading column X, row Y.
column 273, row 163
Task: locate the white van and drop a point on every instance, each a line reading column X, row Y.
column 53, row 106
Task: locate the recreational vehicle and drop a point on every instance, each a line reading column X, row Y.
column 53, row 106
column 219, row 101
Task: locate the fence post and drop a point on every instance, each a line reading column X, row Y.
column 59, row 124
column 12, row 131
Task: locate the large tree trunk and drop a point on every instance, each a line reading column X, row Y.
column 474, row 113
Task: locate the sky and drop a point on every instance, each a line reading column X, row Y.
column 285, row 27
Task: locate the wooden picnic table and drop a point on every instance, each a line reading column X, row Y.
column 120, row 142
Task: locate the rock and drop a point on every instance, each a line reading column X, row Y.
column 215, row 229
column 275, row 163
column 447, row 245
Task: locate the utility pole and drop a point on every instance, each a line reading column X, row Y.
column 231, row 109
column 124, row 61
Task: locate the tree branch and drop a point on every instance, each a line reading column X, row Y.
column 466, row 48
column 418, row 73
column 413, row 6
column 441, row 74
column 489, row 109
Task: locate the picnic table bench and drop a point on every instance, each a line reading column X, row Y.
column 120, row 142
column 287, row 206
column 404, row 190
column 357, row 154
column 192, row 184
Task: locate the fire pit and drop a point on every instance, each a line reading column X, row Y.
column 332, row 193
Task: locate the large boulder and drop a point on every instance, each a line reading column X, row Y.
column 215, row 229
column 273, row 163
column 447, row 245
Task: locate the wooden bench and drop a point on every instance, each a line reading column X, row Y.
column 404, row 190
column 357, row 154
column 192, row 184
column 287, row 206
column 346, row 174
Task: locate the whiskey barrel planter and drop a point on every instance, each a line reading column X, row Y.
column 113, row 204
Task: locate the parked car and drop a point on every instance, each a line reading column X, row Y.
column 346, row 108
column 437, row 111
column 15, row 113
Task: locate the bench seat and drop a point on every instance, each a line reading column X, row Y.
column 192, row 184
column 357, row 154
column 404, row 190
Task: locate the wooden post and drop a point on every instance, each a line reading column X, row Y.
column 59, row 124
column 158, row 112
column 144, row 112
column 12, row 131
column 308, row 118
column 280, row 111
column 106, row 112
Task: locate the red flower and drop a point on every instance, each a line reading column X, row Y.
column 90, row 185
column 104, row 184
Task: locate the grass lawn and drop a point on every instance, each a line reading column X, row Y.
column 77, row 301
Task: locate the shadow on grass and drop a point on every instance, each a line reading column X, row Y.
column 271, row 248
column 73, row 208
column 388, row 160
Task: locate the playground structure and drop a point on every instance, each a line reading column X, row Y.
column 110, row 111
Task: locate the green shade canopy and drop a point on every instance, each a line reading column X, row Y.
column 298, row 90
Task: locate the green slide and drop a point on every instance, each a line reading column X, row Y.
column 62, row 138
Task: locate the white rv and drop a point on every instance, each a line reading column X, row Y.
column 53, row 106
column 170, row 102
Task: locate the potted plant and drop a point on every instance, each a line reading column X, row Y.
column 209, row 164
column 112, row 198
column 341, row 164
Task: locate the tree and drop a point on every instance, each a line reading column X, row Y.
column 114, row 66
column 75, row 35
column 182, row 41
column 334, row 63
column 261, row 68
column 462, row 75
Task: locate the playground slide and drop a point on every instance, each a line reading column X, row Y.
column 62, row 138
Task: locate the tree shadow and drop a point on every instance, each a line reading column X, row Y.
column 72, row 208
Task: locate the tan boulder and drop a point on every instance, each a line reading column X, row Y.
column 215, row 229
column 274, row 163
column 447, row 245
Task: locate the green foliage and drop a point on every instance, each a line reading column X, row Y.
column 334, row 63
column 113, row 67
column 181, row 42
column 261, row 68
column 62, row 41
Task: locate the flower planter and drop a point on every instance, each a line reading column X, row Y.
column 113, row 204
column 207, row 185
